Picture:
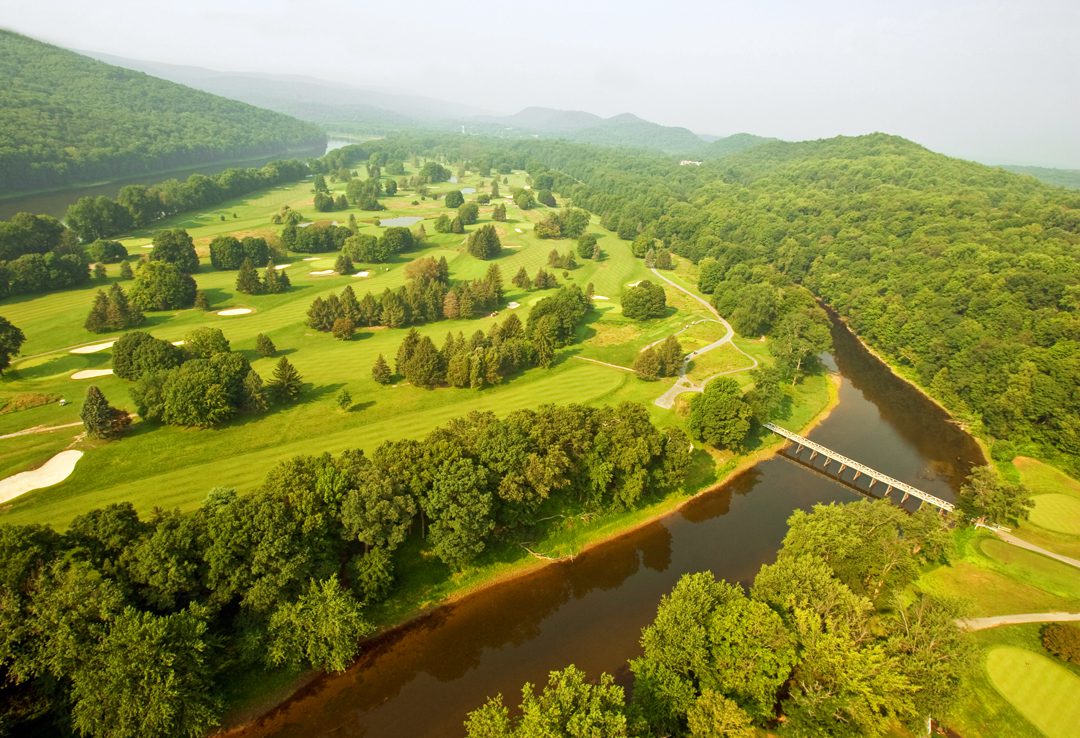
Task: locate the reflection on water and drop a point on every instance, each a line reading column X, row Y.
column 422, row 680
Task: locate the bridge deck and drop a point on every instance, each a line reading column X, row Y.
column 863, row 469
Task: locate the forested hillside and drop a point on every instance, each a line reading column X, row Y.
column 65, row 119
column 964, row 276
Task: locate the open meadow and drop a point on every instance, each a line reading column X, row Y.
column 165, row 466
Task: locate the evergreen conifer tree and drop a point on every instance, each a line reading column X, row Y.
column 100, row 419
column 286, row 384
column 97, row 320
column 380, row 371
column 125, row 270
column 264, row 345
column 202, row 302
column 247, row 279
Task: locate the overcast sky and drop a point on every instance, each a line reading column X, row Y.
column 988, row 80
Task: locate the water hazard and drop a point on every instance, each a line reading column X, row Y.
column 589, row 612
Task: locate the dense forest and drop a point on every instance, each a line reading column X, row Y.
column 130, row 628
column 965, row 277
column 67, row 119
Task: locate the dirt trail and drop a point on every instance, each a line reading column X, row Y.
column 39, row 429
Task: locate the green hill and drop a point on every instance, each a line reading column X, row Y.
column 1069, row 178
column 67, row 119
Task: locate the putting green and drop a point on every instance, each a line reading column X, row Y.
column 1060, row 513
column 1047, row 694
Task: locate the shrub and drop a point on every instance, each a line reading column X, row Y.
column 1062, row 640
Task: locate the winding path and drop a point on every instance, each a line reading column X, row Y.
column 1017, row 619
column 1021, row 543
column 40, row 429
column 684, row 383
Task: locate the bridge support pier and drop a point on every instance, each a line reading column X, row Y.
column 888, row 490
column 904, row 498
column 857, row 475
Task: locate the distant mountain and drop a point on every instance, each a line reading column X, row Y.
column 333, row 105
column 68, row 119
column 1069, row 178
column 574, row 125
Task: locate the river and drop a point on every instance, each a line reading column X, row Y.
column 421, row 681
column 55, row 203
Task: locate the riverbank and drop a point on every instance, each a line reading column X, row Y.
column 273, row 692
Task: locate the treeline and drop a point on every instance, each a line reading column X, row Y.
column 131, row 628
column 136, row 206
column 963, row 275
column 509, row 347
column 826, row 642
column 68, row 119
column 38, row 253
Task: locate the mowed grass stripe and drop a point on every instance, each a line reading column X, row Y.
column 1045, row 693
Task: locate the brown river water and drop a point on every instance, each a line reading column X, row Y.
column 423, row 679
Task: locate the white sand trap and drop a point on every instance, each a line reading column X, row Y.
column 282, row 266
column 518, row 230
column 633, row 284
column 91, row 373
column 148, row 245
column 513, row 305
column 600, row 297
column 361, row 274
column 178, row 343
column 53, row 471
column 92, row 348
column 312, row 258
column 235, row 311
column 322, row 273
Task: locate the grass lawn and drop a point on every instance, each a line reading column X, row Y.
column 176, row 467
column 1040, row 688
column 1055, row 520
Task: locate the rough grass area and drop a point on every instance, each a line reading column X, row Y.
column 1041, row 689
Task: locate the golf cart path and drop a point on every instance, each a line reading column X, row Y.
column 1017, row 619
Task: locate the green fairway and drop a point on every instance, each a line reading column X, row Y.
column 175, row 467
column 1059, row 513
column 1045, row 693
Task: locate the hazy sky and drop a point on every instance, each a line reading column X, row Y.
column 989, row 80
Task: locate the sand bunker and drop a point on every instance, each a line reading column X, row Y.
column 600, row 297
column 53, row 471
column 322, row 273
column 282, row 266
column 518, row 230
column 312, row 258
column 178, row 343
column 513, row 305
column 91, row 373
column 361, row 274
column 633, row 284
column 235, row 311
column 92, row 348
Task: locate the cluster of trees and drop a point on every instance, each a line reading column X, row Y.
column 565, row 223
column 106, row 122
column 202, row 384
column 1062, row 640
column 229, row 252
column 11, row 340
column 542, row 281
column 722, row 415
column 480, row 361
column 588, row 246
column 364, row 193
column 106, row 252
column 644, row 301
column 273, row 281
column 484, row 243
column 562, row 261
column 113, row 312
column 312, row 238
column 824, row 643
column 363, row 248
column 38, row 253
column 427, row 296
column 131, row 628
column 324, row 201
column 663, row 359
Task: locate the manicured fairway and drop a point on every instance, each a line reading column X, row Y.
column 1045, row 693
column 176, row 467
column 1059, row 513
